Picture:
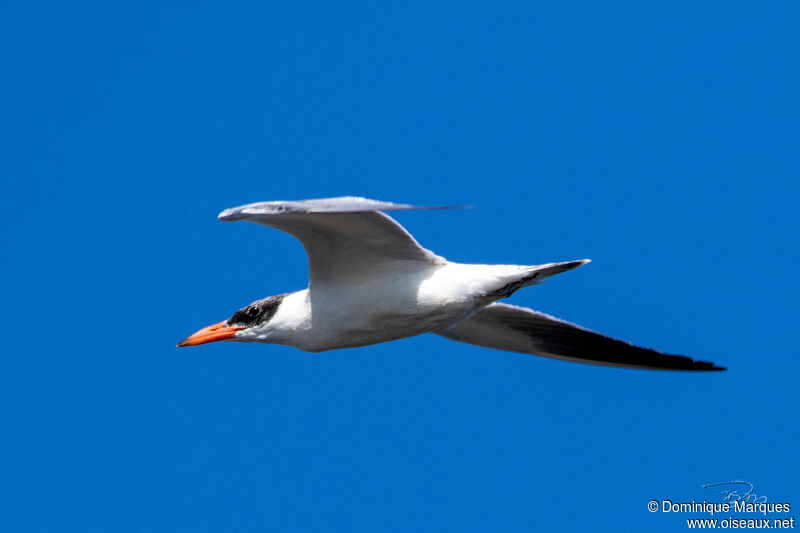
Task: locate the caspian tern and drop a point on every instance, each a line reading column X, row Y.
column 371, row 282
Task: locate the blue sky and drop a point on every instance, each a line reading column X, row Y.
column 659, row 141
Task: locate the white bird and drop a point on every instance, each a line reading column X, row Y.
column 371, row 282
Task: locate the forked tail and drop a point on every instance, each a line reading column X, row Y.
column 536, row 274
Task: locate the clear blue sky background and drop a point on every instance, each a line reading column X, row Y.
column 661, row 142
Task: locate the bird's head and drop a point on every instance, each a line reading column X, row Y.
column 250, row 323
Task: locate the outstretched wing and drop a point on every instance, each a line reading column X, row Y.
column 518, row 329
column 345, row 238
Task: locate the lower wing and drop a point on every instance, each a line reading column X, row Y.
column 518, row 329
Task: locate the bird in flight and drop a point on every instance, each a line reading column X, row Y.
column 370, row 281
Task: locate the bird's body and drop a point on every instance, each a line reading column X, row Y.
column 371, row 282
column 383, row 308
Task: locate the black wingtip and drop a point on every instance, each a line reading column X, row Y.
column 702, row 366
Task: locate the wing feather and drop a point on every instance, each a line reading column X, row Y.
column 345, row 238
column 518, row 329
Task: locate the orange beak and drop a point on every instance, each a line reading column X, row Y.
column 213, row 333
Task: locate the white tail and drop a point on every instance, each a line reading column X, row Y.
column 532, row 275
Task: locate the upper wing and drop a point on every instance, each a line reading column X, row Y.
column 517, row 329
column 344, row 237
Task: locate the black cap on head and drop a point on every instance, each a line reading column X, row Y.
column 257, row 312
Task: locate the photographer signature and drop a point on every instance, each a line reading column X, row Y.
column 734, row 495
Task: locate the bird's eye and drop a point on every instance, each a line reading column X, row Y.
column 253, row 311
